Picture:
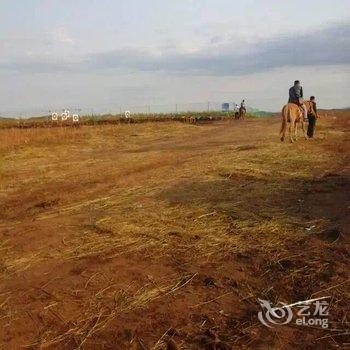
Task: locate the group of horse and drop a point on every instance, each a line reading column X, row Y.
column 237, row 115
column 240, row 114
column 292, row 114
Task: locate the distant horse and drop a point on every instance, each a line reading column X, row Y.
column 189, row 119
column 293, row 114
column 242, row 113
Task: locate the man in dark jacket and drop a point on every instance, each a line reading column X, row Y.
column 296, row 96
column 312, row 116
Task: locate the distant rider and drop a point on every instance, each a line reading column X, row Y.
column 243, row 106
column 296, row 97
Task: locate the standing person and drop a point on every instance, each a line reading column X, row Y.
column 236, row 109
column 312, row 116
column 243, row 106
column 296, row 97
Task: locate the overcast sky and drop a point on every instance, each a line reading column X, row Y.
column 102, row 54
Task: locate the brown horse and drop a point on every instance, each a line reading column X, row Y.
column 293, row 114
column 242, row 113
column 189, row 119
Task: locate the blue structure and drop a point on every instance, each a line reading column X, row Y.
column 225, row 107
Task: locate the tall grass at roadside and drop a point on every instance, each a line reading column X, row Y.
column 46, row 122
column 14, row 137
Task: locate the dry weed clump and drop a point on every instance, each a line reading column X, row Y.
column 105, row 306
column 12, row 139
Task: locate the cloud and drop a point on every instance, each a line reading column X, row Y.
column 327, row 46
column 61, row 35
column 37, row 67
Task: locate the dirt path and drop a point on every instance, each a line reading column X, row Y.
column 123, row 237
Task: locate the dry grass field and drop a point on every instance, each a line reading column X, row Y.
column 164, row 235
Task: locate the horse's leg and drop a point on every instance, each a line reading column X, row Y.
column 296, row 131
column 283, row 133
column 291, row 126
column 283, row 130
column 303, row 124
column 284, row 123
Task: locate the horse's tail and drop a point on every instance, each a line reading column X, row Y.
column 285, row 112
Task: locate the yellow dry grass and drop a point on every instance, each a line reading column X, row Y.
column 168, row 193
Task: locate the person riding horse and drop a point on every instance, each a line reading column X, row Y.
column 295, row 111
column 296, row 97
column 242, row 110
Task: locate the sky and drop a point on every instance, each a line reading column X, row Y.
column 105, row 55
